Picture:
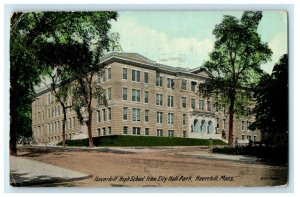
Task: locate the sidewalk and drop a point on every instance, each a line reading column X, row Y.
column 26, row 172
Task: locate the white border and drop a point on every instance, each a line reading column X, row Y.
column 152, row 5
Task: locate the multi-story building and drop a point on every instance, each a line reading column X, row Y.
column 144, row 98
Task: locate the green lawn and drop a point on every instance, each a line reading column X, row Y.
column 122, row 140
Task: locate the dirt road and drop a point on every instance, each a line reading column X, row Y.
column 157, row 167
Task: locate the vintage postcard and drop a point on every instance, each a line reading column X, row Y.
column 149, row 99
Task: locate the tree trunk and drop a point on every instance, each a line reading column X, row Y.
column 89, row 125
column 13, row 140
column 230, row 132
column 64, row 127
column 13, row 116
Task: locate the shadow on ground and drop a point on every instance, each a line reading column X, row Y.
column 22, row 180
column 32, row 151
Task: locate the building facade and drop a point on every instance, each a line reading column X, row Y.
column 144, row 98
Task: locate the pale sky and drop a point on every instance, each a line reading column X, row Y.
column 184, row 38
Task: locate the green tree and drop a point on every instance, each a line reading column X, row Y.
column 30, row 31
column 25, row 69
column 79, row 63
column 60, row 58
column 271, row 110
column 88, row 93
column 235, row 61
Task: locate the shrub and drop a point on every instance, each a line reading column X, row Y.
column 120, row 140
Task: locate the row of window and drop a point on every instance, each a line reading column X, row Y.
column 136, row 97
column 57, row 138
column 136, row 77
column 245, row 125
column 249, row 137
column 136, row 116
column 104, row 114
column 104, row 131
column 55, row 127
column 146, row 132
column 103, row 75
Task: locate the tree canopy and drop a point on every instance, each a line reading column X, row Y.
column 271, row 95
column 235, row 61
column 32, row 32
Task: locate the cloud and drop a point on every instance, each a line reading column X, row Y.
column 158, row 46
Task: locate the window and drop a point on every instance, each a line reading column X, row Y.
column 249, row 137
column 136, row 95
column 224, row 123
column 170, row 101
column 136, row 131
column 208, row 106
column 136, row 75
column 158, row 80
column 171, row 133
column 104, row 114
column 109, row 73
column 203, row 125
column 254, row 138
column 109, row 113
column 70, row 122
column 124, row 73
column 243, row 125
column 201, row 104
column 99, row 132
column 109, row 130
column 243, row 137
column 125, row 93
column 248, row 125
column 183, row 84
column 193, row 103
column 183, row 102
column 146, row 97
column 147, row 131
column 210, row 127
column 183, row 133
column 183, row 119
column 125, row 130
column 103, row 75
column 146, row 115
column 98, row 116
column 146, row 77
column 108, row 93
column 159, row 99
column 98, row 78
column 170, row 83
column 104, row 131
column 136, row 114
column 125, row 113
column 159, row 117
column 193, row 86
column 170, row 118
column 49, row 100
column 159, row 132
column 217, row 122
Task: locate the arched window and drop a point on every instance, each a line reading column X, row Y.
column 196, row 126
column 203, row 126
column 210, row 127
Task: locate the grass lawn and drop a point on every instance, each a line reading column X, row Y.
column 123, row 140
